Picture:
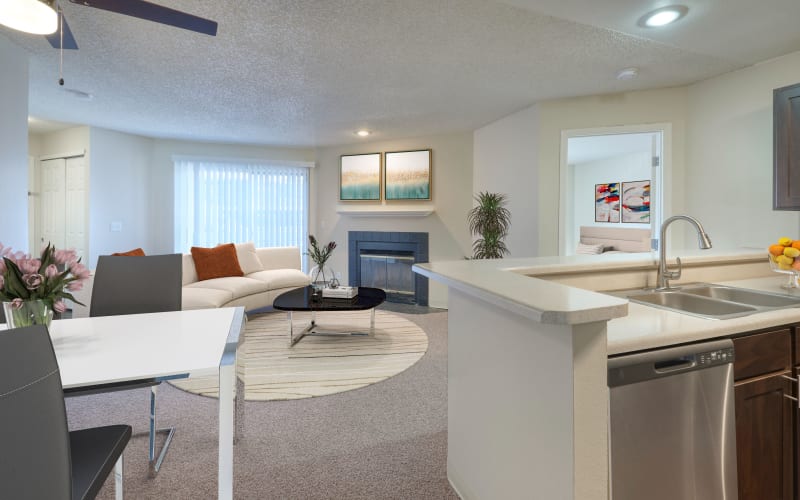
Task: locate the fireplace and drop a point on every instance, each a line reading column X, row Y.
column 383, row 259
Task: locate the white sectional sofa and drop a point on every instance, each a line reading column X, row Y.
column 280, row 272
column 268, row 272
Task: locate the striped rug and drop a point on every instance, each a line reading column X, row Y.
column 318, row 366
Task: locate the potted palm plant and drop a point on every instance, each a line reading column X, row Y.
column 490, row 221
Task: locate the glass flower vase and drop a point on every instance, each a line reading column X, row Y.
column 321, row 276
column 27, row 313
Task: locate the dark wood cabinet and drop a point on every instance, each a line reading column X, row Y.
column 764, row 438
column 786, row 148
column 765, row 416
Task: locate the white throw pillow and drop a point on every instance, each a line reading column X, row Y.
column 583, row 249
column 248, row 258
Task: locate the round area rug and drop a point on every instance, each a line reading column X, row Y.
column 317, row 365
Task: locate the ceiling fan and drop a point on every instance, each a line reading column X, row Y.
column 46, row 17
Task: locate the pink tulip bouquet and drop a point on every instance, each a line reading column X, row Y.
column 50, row 278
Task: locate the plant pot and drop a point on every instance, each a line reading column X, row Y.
column 29, row 313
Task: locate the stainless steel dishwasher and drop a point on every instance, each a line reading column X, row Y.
column 672, row 424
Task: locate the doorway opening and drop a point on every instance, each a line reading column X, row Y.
column 612, row 178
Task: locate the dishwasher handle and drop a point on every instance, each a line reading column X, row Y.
column 682, row 363
column 668, row 362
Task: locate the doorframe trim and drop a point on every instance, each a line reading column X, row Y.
column 666, row 165
column 57, row 156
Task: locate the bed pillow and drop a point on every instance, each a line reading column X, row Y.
column 584, row 249
column 217, row 262
column 136, row 252
column 248, row 258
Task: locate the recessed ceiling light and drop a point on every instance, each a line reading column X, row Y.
column 663, row 16
column 31, row 16
column 628, row 74
column 363, row 133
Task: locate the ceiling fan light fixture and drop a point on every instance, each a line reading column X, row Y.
column 663, row 16
column 363, row 133
column 38, row 17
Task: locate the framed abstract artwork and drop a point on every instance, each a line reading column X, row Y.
column 606, row 202
column 407, row 175
column 636, row 202
column 360, row 177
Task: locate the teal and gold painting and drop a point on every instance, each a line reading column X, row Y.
column 408, row 175
column 360, row 177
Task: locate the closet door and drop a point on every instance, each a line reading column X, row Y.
column 53, row 204
column 75, row 205
column 63, row 208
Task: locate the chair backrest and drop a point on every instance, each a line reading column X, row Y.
column 34, row 439
column 136, row 285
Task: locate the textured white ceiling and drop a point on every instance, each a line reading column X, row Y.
column 309, row 73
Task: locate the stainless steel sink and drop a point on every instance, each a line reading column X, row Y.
column 712, row 301
column 743, row 295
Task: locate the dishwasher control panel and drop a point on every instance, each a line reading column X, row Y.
column 715, row 357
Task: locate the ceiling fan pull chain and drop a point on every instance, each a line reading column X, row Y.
column 61, row 48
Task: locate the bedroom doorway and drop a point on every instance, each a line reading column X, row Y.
column 612, row 178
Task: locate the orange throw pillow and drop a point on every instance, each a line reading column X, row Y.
column 217, row 262
column 136, row 252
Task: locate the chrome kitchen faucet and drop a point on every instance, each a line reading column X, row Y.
column 664, row 273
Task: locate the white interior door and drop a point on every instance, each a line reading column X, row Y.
column 75, row 205
column 53, row 202
column 63, row 204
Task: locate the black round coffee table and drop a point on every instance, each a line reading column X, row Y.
column 302, row 299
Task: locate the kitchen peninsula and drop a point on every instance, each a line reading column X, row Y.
column 528, row 341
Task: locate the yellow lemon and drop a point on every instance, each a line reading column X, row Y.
column 785, row 241
column 783, row 260
column 791, row 252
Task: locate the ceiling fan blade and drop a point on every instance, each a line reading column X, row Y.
column 156, row 13
column 55, row 38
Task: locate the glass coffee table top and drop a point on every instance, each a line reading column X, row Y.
column 300, row 299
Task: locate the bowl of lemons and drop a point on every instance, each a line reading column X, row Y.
column 784, row 258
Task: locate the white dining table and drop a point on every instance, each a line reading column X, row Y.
column 113, row 349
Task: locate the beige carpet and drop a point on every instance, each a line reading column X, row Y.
column 318, row 366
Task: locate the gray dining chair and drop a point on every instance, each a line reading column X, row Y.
column 41, row 457
column 137, row 285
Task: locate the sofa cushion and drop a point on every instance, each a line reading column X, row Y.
column 204, row 298
column 136, row 252
column 237, row 286
column 217, row 262
column 248, row 258
column 279, row 257
column 281, row 278
column 189, row 271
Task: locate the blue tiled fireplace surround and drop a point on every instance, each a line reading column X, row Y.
column 415, row 243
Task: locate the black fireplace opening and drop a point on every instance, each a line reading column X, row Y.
column 390, row 271
column 382, row 259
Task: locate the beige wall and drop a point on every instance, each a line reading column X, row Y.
column 506, row 162
column 451, row 197
column 729, row 155
column 119, row 179
column 13, row 146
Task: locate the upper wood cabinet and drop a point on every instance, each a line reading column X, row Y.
column 786, row 148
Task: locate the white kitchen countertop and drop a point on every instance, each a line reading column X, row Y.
column 511, row 284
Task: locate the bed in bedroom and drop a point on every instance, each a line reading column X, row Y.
column 598, row 239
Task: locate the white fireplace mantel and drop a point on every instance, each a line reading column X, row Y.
column 385, row 211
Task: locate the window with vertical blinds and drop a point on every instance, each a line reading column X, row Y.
column 231, row 201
